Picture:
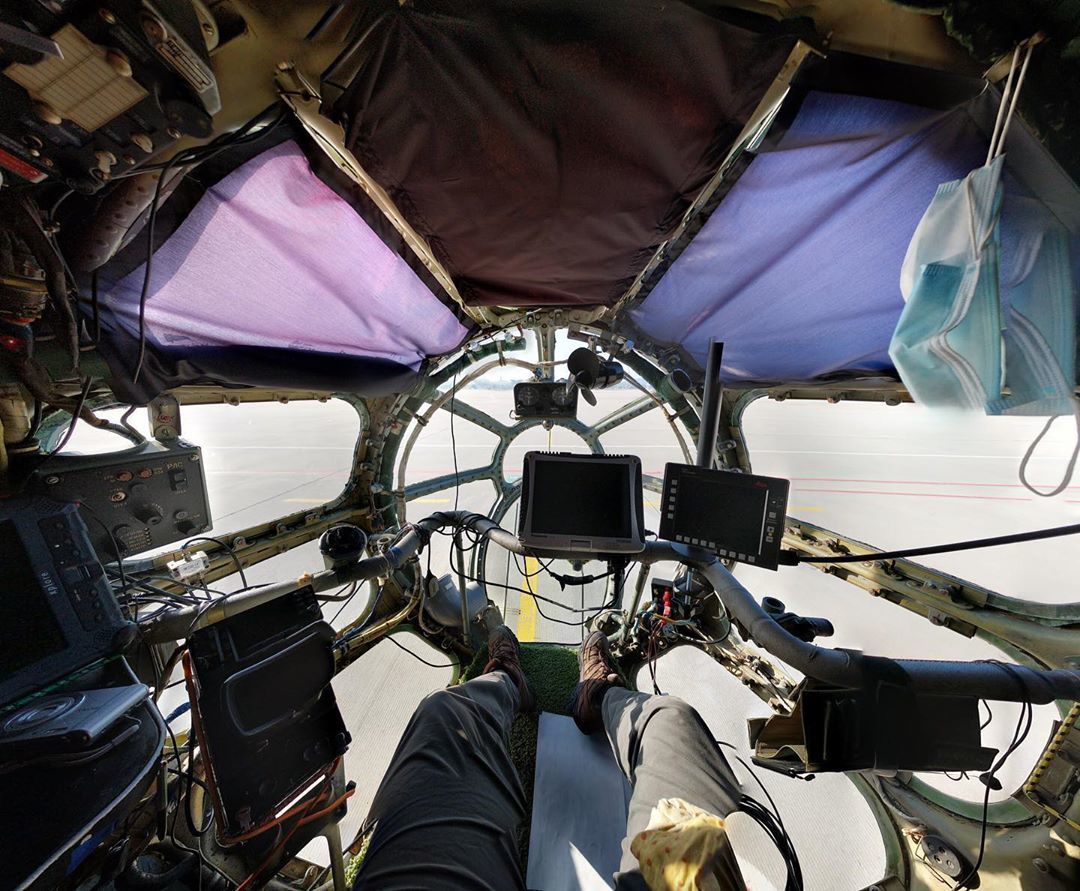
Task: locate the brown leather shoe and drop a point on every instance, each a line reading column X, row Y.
column 504, row 654
column 597, row 675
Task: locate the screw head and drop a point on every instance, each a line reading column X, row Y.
column 51, row 480
column 153, row 29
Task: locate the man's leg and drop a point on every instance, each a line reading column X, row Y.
column 447, row 810
column 661, row 744
column 666, row 751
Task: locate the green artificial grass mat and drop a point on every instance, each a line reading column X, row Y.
column 553, row 672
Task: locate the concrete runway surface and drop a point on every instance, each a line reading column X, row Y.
column 890, row 476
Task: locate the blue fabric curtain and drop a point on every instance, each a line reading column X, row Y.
column 798, row 269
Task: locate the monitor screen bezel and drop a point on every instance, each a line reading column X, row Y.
column 577, row 544
column 776, row 497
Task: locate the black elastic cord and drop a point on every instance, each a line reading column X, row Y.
column 417, row 656
column 791, row 558
column 229, row 548
column 75, row 414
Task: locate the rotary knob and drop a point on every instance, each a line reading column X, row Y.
column 150, row 514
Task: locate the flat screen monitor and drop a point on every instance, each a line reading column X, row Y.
column 739, row 516
column 29, row 632
column 582, row 503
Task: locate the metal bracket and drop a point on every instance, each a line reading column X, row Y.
column 164, row 411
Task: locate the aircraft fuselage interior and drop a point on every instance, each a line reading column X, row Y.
column 335, row 336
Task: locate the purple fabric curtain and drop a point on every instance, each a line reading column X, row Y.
column 271, row 257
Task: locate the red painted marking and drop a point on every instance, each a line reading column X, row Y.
column 915, row 494
column 20, row 167
column 828, row 479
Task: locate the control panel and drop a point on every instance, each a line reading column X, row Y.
column 140, row 498
column 89, row 91
column 545, row 399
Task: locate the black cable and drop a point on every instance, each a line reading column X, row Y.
column 112, row 541
column 541, row 599
column 189, row 817
column 651, row 657
column 243, row 135
column 137, row 434
column 227, row 547
column 367, row 620
column 791, row 558
column 775, row 830
column 592, row 609
column 1023, row 728
column 346, row 602
column 453, row 445
column 179, row 771
column 757, row 779
column 95, row 306
column 417, row 657
column 149, row 267
column 74, row 420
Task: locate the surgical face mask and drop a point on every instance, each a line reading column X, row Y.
column 947, row 345
column 990, row 318
column 1038, row 297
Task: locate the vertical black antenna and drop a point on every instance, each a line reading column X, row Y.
column 710, row 406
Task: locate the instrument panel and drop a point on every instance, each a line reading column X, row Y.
column 89, row 92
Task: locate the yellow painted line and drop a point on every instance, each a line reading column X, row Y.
column 431, row 501
column 305, row 501
column 526, row 628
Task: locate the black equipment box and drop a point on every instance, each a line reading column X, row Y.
column 883, row 725
column 739, row 516
column 60, row 804
column 140, row 498
column 264, row 709
column 57, row 610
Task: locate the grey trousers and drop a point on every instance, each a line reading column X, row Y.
column 448, row 809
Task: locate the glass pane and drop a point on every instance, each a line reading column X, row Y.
column 903, row 476
column 262, row 460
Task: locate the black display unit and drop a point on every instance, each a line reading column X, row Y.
column 57, row 609
column 581, row 504
column 738, row 516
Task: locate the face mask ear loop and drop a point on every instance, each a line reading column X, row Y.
column 1065, row 480
column 1013, row 101
column 1005, row 94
